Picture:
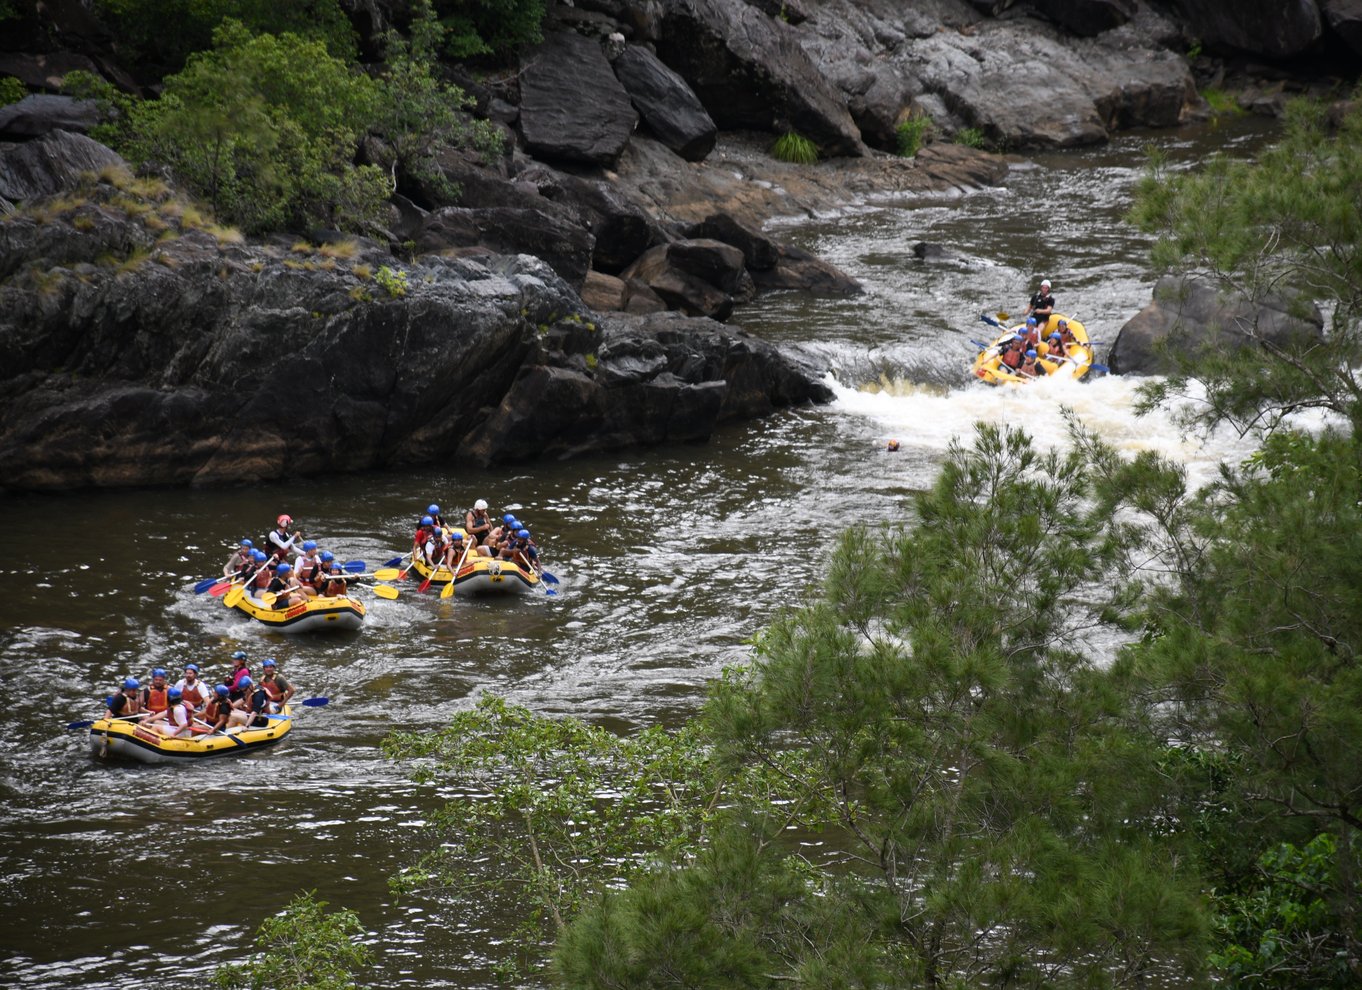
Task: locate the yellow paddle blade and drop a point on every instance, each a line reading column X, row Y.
column 1003, row 317
column 268, row 597
column 447, row 590
column 232, row 597
column 387, row 573
column 385, row 591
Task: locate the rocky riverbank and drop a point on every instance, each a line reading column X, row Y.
column 569, row 295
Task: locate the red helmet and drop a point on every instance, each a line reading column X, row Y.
column 284, row 521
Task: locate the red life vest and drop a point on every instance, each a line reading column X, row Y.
column 156, row 699
column 195, row 694
column 272, row 689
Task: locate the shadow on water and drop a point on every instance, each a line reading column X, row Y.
column 118, row 875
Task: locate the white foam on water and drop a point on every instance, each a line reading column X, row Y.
column 930, row 419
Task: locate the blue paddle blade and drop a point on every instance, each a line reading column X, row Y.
column 82, row 724
column 205, row 584
column 981, row 345
column 394, row 562
column 548, row 578
column 355, row 566
column 315, row 702
column 550, row 592
column 1099, row 367
column 989, row 320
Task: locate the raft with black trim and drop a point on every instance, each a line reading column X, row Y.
column 126, row 737
column 339, row 614
column 482, row 575
column 1076, row 362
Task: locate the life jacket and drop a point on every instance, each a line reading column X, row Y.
column 262, row 578
column 195, row 694
column 1012, row 358
column 215, row 709
column 275, row 549
column 188, row 716
column 306, row 568
column 275, row 692
column 155, row 699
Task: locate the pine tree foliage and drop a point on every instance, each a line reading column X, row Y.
column 1286, row 227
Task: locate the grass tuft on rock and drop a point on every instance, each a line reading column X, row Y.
column 794, row 148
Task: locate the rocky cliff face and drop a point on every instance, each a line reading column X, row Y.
column 143, row 346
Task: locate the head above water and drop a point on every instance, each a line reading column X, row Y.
column 1045, row 283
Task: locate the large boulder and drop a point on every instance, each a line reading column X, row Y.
column 563, row 244
column 572, row 108
column 1021, row 80
column 1272, row 28
column 42, row 113
column 699, row 278
column 750, row 72
column 51, row 164
column 1086, row 18
column 657, row 378
column 667, row 105
column 622, row 231
column 199, row 359
column 1344, row 18
column 1187, row 317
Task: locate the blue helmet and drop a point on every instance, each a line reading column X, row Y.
column 246, row 682
column 427, row 521
column 247, row 544
column 269, row 663
column 508, row 519
column 1031, row 353
column 174, row 694
column 327, row 556
column 309, row 544
column 131, row 684
column 192, row 666
column 439, row 531
column 222, row 690
column 258, row 556
column 1030, row 321
column 524, row 534
column 158, row 672
column 433, row 509
column 458, row 536
column 239, row 655
column 283, row 568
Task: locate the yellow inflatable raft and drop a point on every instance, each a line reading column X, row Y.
column 1075, row 363
column 316, row 615
column 126, row 737
column 482, row 575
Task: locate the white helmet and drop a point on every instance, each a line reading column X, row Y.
column 480, row 505
column 1045, row 283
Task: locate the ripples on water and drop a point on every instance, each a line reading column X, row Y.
column 118, row 875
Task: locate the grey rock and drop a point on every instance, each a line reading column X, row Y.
column 667, row 105
column 563, row 244
column 41, row 113
column 1273, row 28
column 1186, row 317
column 1086, row 18
column 1344, row 18
column 226, row 363
column 751, row 73
column 572, row 108
column 51, row 164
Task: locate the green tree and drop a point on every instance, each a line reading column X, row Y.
column 490, row 27
column 264, row 128
column 305, row 947
column 1285, row 225
column 418, row 117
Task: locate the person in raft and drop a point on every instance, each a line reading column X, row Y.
column 1042, row 304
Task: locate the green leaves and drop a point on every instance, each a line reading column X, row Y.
column 303, row 948
column 1282, row 228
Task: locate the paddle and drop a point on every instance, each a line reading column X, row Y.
column 354, row 567
column 449, row 588
column 991, row 321
column 218, row 590
column 547, row 576
column 385, row 591
column 234, row 596
column 306, row 703
column 385, row 574
column 209, row 583
column 397, row 560
column 425, row 585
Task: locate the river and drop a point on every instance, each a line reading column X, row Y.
column 119, row 875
